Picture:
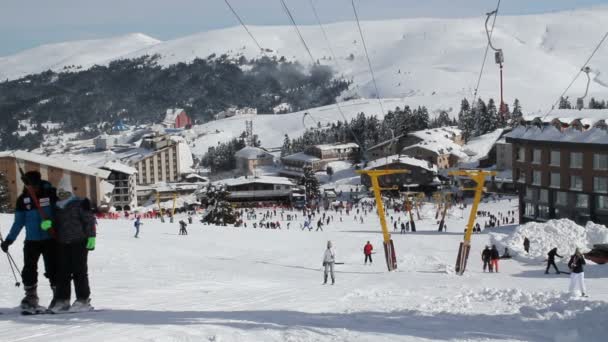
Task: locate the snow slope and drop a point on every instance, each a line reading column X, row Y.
column 423, row 59
column 244, row 284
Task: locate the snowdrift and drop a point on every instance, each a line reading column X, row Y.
column 563, row 234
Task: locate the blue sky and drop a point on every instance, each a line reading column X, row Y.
column 29, row 23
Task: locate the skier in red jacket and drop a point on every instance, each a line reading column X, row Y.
column 367, row 250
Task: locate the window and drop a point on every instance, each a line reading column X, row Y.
column 600, row 161
column 600, row 184
column 522, row 176
column 544, row 196
column 555, row 158
column 555, row 180
column 576, row 160
column 561, row 198
column 536, row 177
column 601, row 202
column 582, row 201
column 530, row 210
column 521, row 154
column 536, row 156
column 543, row 212
column 576, row 183
column 531, row 193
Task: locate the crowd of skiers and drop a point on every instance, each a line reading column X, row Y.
column 60, row 228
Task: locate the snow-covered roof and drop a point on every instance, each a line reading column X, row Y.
column 437, row 133
column 327, row 147
column 194, row 175
column 251, row 180
column 552, row 134
column 250, row 152
column 57, row 163
column 119, row 167
column 586, row 116
column 438, row 148
column 403, row 160
column 480, row 146
column 301, row 156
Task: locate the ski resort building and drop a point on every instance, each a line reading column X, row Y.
column 294, row 164
column 249, row 158
column 333, row 152
column 176, row 118
column 422, row 173
column 264, row 189
column 86, row 181
column 161, row 158
column 123, row 178
column 448, row 139
column 561, row 170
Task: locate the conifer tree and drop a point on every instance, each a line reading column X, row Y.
column 310, row 183
column 286, row 148
column 5, row 205
column 219, row 210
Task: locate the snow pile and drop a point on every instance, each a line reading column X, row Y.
column 563, row 234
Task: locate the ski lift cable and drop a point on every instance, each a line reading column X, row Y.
column 485, row 55
column 293, row 22
column 369, row 63
column 583, row 68
column 243, row 24
column 333, row 56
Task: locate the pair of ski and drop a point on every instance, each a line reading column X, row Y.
column 41, row 310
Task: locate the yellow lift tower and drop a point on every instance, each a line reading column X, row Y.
column 479, row 177
column 389, row 250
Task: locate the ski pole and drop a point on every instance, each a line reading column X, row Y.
column 12, row 264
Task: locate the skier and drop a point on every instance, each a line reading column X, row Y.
column 37, row 241
column 494, row 258
column 329, row 258
column 526, row 245
column 486, row 256
column 182, row 228
column 367, row 250
column 551, row 260
column 75, row 224
column 402, row 228
column 577, row 277
column 137, row 224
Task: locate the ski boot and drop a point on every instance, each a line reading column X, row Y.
column 325, row 280
column 82, row 305
column 60, row 306
column 29, row 304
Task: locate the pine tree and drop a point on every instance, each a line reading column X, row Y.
column 310, row 183
column 286, row 148
column 491, row 118
column 479, row 112
column 564, row 103
column 5, row 202
column 220, row 211
column 464, row 120
column 443, row 120
column 517, row 114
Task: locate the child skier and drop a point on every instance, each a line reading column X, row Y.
column 495, row 256
column 75, row 225
column 367, row 250
column 182, row 228
column 137, row 224
column 329, row 258
column 486, row 256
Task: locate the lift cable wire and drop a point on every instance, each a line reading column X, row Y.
column 293, row 22
column 485, row 55
column 243, row 24
column 583, row 68
column 333, row 56
column 369, row 63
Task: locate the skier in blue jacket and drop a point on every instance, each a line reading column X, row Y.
column 38, row 242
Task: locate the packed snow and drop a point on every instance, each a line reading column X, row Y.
column 245, row 284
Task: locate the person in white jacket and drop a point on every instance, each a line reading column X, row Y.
column 329, row 258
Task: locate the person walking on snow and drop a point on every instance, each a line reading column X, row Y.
column 577, row 275
column 182, row 228
column 486, row 256
column 137, row 224
column 329, row 258
column 38, row 241
column 551, row 260
column 367, row 250
column 75, row 225
column 494, row 258
column 526, row 245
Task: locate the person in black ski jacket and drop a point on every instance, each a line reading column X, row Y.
column 75, row 225
column 551, row 260
column 577, row 275
column 38, row 242
column 495, row 256
column 526, row 245
column 486, row 256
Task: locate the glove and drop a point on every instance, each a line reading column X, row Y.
column 46, row 225
column 4, row 245
column 91, row 243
